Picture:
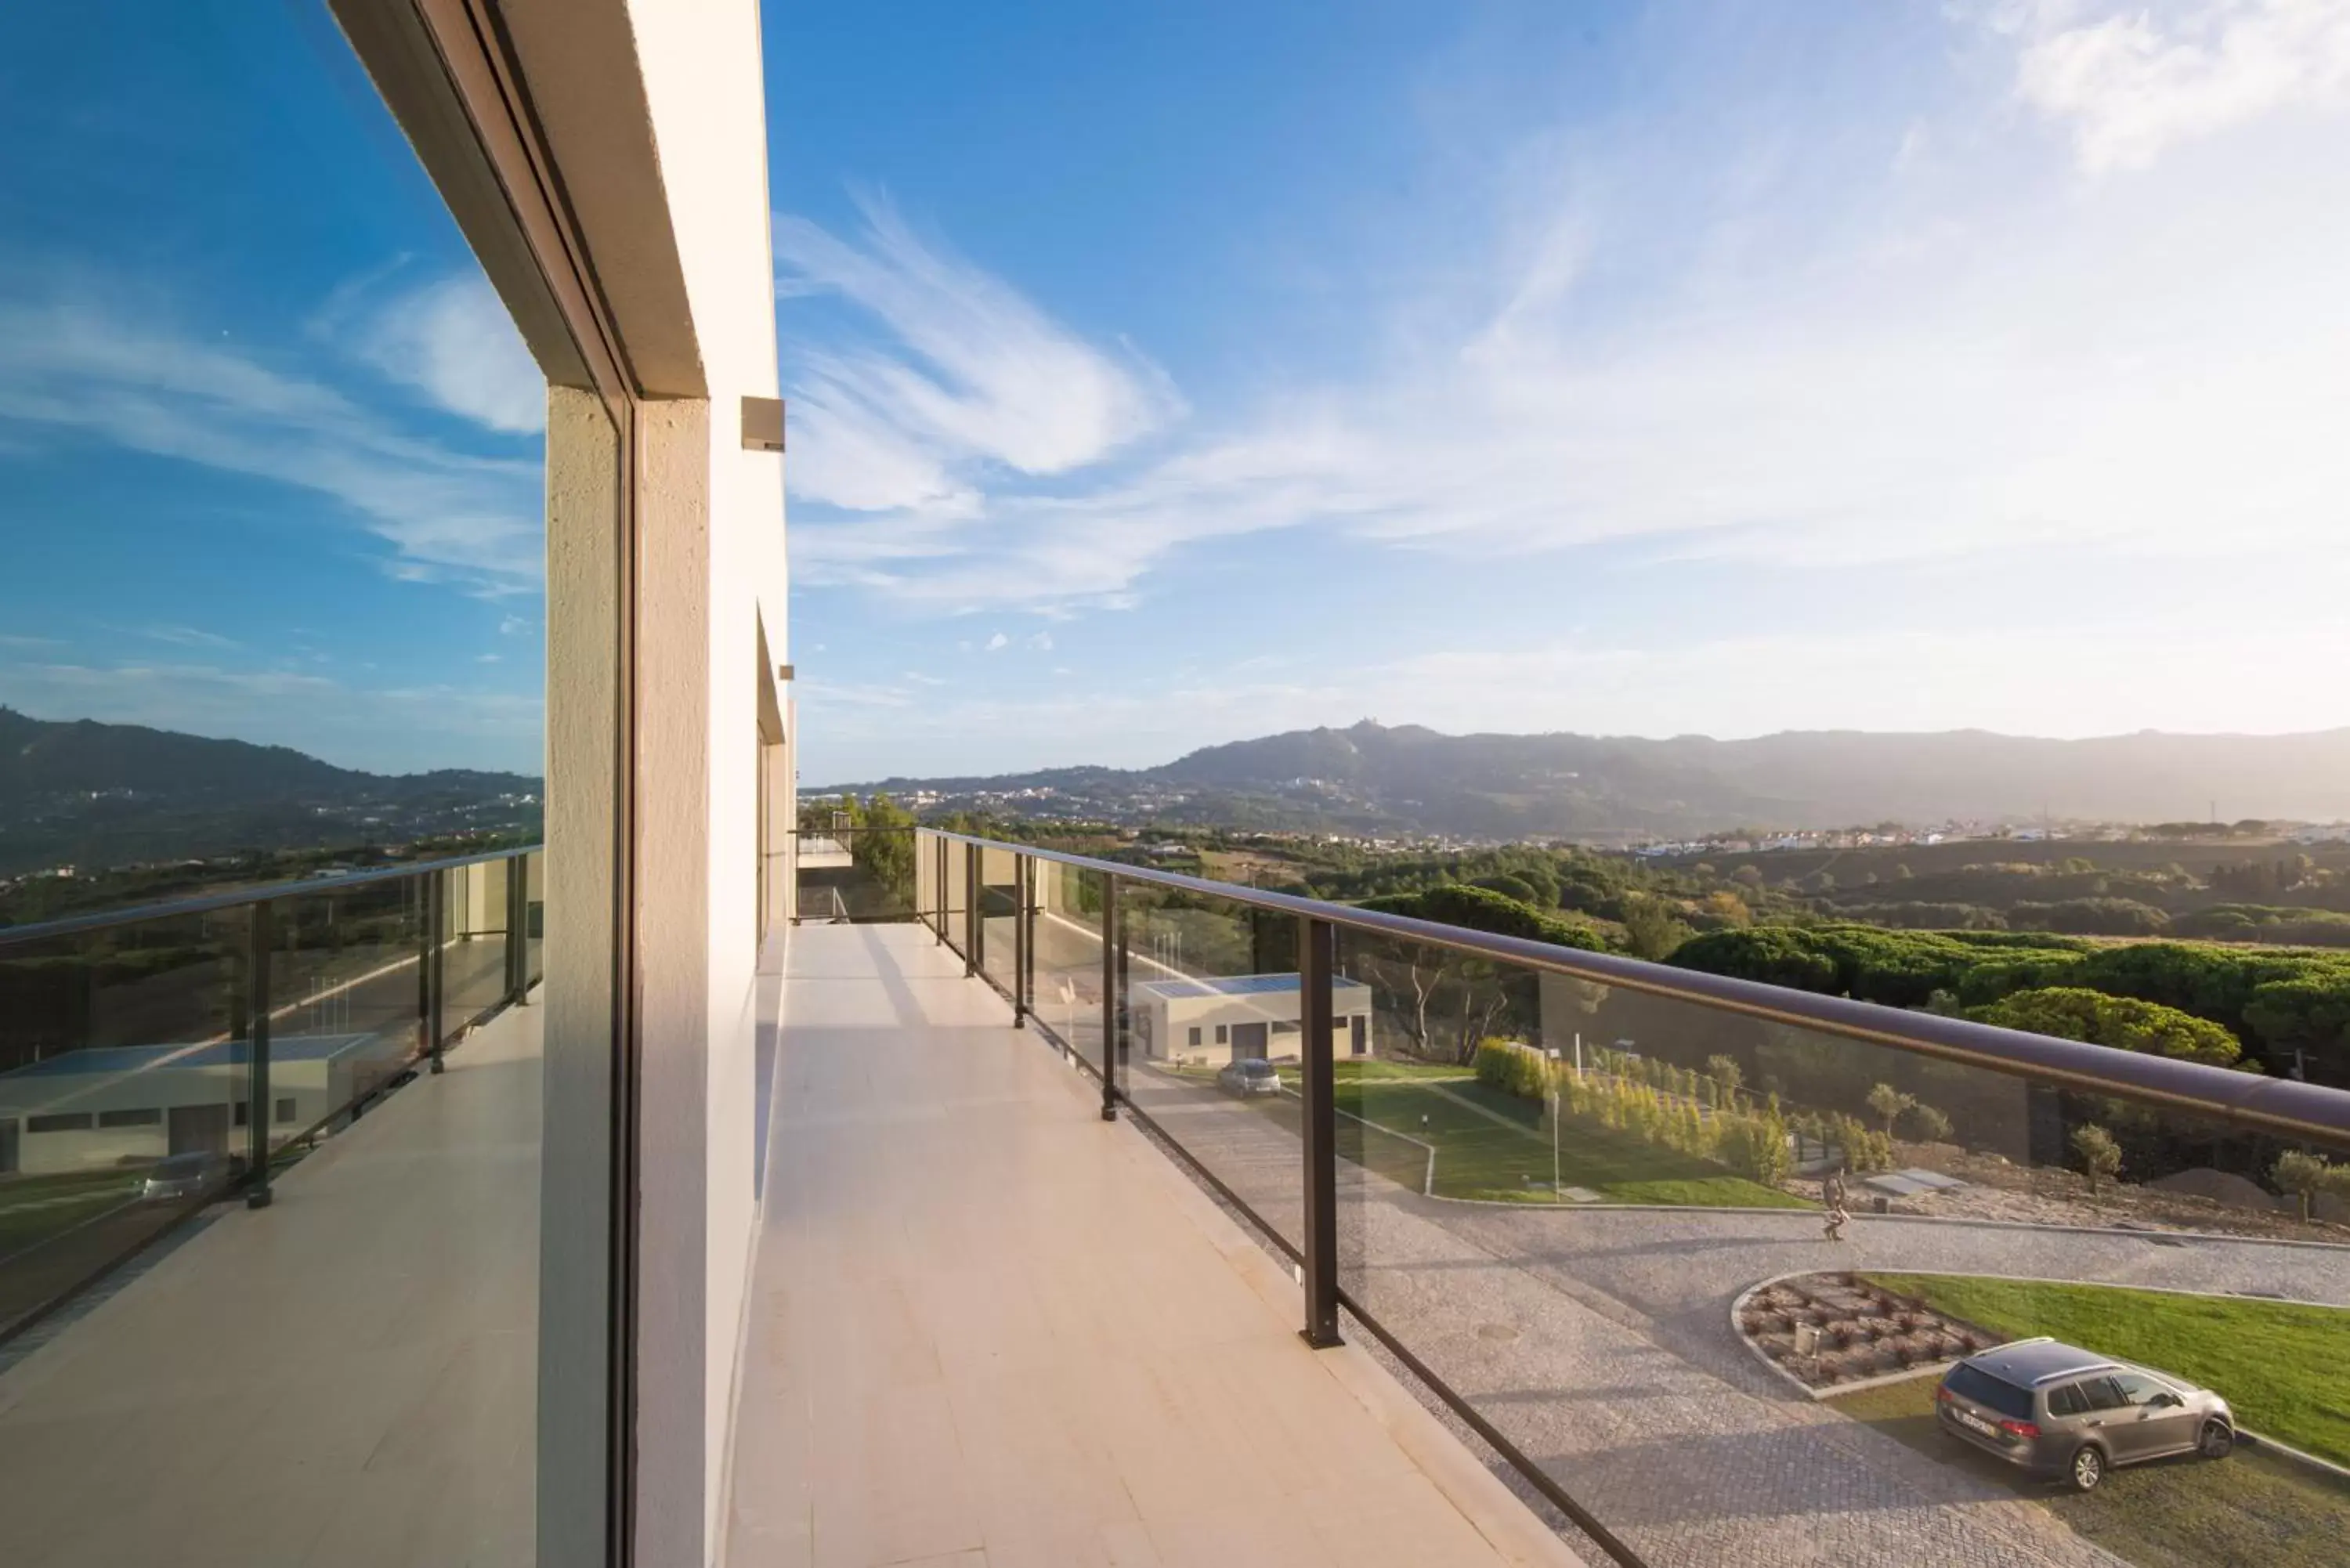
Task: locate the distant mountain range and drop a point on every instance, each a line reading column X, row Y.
column 1371, row 778
column 92, row 794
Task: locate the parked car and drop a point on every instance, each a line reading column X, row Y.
column 1253, row 1076
column 178, row 1176
column 2056, row 1409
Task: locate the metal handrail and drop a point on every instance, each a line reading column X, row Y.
column 2248, row 1099
column 211, row 903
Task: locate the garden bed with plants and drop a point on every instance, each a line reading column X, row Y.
column 1827, row 1331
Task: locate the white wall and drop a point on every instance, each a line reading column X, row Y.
column 704, row 86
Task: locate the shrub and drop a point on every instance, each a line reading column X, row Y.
column 1889, row 1103
column 1725, row 1071
column 1754, row 1143
column 2303, row 1174
column 2100, row 1156
column 1513, row 1069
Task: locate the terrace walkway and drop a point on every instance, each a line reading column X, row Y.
column 989, row 1329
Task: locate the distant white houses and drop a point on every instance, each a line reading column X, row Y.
column 1237, row 1018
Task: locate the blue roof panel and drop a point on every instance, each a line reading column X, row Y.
column 220, row 1054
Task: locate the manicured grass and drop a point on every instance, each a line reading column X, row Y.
column 2283, row 1369
column 1370, row 1069
column 2248, row 1509
column 1489, row 1144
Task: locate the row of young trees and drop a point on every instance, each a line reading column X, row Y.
column 1749, row 1138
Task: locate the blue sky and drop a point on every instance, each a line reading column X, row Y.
column 1166, row 375
column 1688, row 366
column 269, row 449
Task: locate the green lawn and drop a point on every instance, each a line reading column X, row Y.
column 1489, row 1144
column 2284, row 1369
column 1371, row 1069
column 35, row 1208
column 2250, row 1509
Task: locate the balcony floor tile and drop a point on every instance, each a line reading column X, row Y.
column 988, row 1326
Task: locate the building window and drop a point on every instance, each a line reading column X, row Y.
column 145, row 1116
column 285, row 1108
column 241, row 1114
column 1223, row 1034
column 60, row 1121
column 1195, row 1034
column 1360, row 1027
column 1281, row 1028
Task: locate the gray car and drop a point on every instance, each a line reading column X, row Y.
column 178, row 1176
column 1250, row 1075
column 2056, row 1409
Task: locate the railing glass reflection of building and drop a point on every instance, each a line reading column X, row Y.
column 153, row 1061
column 1409, row 1190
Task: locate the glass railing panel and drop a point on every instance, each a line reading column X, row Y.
column 1068, row 963
column 534, row 914
column 1211, row 1045
column 1646, row 1238
column 1000, row 901
column 344, row 1009
column 473, row 952
column 958, row 887
column 123, row 1096
column 855, row 874
column 927, row 884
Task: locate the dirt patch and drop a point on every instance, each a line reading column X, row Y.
column 1998, row 1188
column 1829, row 1329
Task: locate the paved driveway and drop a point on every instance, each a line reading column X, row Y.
column 1600, row 1341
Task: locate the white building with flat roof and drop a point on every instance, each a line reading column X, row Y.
column 1216, row 1019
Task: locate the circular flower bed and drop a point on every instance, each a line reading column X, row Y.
column 1862, row 1331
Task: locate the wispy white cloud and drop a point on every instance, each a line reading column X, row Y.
column 451, row 340
column 972, row 376
column 997, row 643
column 187, row 637
column 113, row 373
column 1973, row 357
column 2132, row 80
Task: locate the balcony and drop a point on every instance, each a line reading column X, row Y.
column 1597, row 1276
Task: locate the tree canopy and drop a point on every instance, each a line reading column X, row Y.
column 1483, row 910
column 2075, row 1013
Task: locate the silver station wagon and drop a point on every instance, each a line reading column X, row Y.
column 2056, row 1409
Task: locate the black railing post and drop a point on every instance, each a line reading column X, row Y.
column 972, row 924
column 259, row 939
column 1019, row 941
column 436, row 922
column 1112, row 972
column 1317, row 960
column 517, row 980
